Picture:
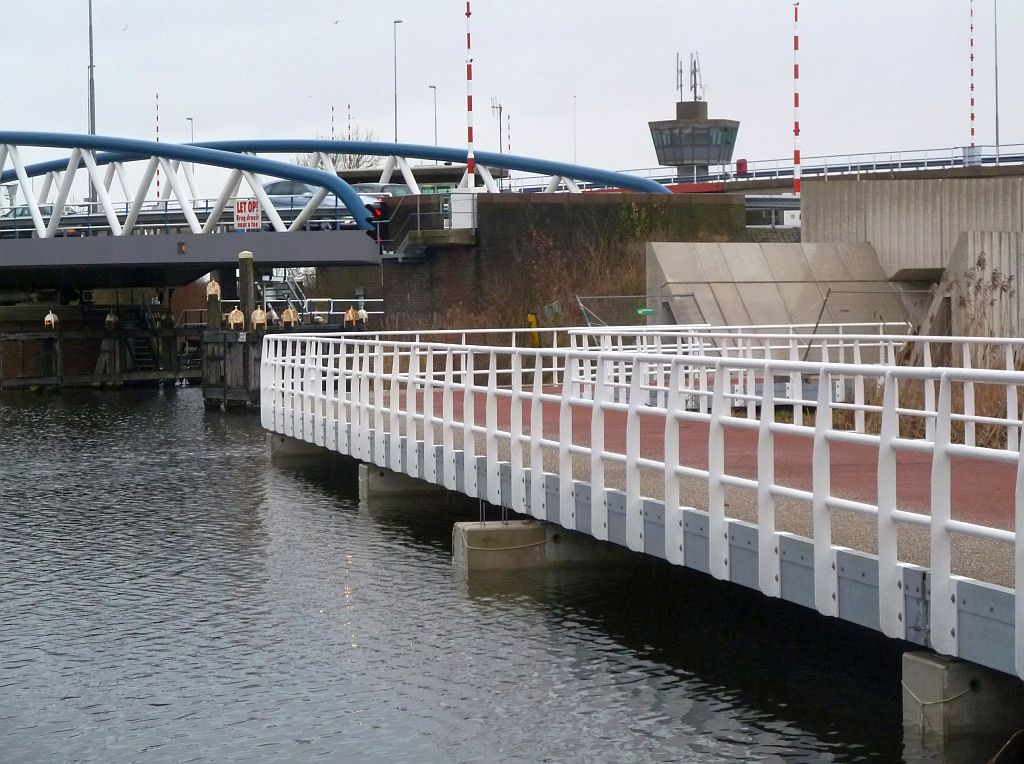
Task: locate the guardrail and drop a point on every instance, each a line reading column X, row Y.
column 500, row 420
column 810, row 166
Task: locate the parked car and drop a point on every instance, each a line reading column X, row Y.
column 291, row 196
column 383, row 189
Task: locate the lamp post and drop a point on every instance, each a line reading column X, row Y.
column 394, row 40
column 995, row 22
column 192, row 136
column 92, row 99
column 434, row 88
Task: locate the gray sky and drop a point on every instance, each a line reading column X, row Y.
column 876, row 75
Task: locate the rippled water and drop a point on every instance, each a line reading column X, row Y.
column 168, row 594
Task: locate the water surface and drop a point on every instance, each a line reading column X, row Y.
column 169, row 594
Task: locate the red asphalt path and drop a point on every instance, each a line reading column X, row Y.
column 982, row 491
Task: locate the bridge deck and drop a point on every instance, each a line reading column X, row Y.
column 684, row 456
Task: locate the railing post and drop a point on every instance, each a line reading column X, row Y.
column 412, row 466
column 796, row 383
column 968, row 399
column 768, row 558
column 380, row 457
column 718, row 533
column 566, row 491
column 468, row 423
column 1018, row 503
column 598, row 500
column 858, row 391
column 943, row 600
column 537, row 497
column 825, row 576
column 518, row 476
column 448, row 420
column 675, row 540
column 890, row 580
column 429, row 455
column 491, row 425
column 394, row 402
column 634, row 507
column 365, row 360
column 1012, row 408
column 929, row 396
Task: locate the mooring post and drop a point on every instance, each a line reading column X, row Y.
column 246, row 284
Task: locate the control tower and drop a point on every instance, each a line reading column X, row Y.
column 691, row 142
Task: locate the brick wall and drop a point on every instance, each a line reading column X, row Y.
column 533, row 249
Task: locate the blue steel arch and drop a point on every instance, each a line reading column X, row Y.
column 129, row 149
column 218, row 153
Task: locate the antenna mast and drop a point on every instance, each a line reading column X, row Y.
column 696, row 83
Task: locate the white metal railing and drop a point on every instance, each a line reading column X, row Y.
column 377, row 397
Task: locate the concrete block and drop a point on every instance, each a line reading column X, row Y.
column 377, row 481
column 959, row 706
column 525, row 544
column 499, row 546
column 283, row 447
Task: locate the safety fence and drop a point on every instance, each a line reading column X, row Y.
column 619, row 443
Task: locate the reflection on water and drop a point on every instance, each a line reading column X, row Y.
column 170, row 595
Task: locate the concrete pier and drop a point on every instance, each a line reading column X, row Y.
column 962, row 709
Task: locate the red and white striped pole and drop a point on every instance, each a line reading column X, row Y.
column 972, row 72
column 158, row 141
column 796, row 98
column 470, row 159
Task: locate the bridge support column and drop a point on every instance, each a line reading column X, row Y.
column 964, row 710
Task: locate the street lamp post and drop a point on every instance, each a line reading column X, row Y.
column 192, row 136
column 434, row 88
column 995, row 21
column 394, row 40
column 92, row 99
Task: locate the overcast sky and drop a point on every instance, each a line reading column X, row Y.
column 877, row 75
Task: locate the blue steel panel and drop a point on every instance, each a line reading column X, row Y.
column 346, row 440
column 552, row 501
column 654, row 528
column 858, row 588
column 527, row 480
column 387, row 452
column 420, row 462
column 581, row 494
column 797, row 570
column 695, row 540
column 985, row 618
column 743, row 554
column 616, row 501
column 915, row 605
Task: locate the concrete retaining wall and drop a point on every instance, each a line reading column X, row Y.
column 913, row 224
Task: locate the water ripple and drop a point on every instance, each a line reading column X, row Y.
column 169, row 595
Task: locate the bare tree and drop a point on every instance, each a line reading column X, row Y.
column 343, row 161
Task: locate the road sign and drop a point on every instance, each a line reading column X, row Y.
column 645, row 311
column 248, row 215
